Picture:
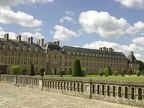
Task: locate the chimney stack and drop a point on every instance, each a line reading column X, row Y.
column 6, row 36
column 41, row 42
column 18, row 38
column 132, row 52
column 104, row 48
column 100, row 48
column 30, row 39
column 110, row 49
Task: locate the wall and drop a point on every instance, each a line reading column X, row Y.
column 130, row 93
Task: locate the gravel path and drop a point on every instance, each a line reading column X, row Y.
column 23, row 97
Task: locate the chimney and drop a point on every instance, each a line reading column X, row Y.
column 57, row 42
column 110, row 49
column 100, row 48
column 132, row 52
column 104, row 48
column 18, row 38
column 30, row 39
column 42, row 42
column 6, row 36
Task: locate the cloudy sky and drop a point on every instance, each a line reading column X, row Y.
column 83, row 23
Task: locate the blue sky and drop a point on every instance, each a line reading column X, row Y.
column 89, row 23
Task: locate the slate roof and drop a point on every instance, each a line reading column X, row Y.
column 14, row 43
column 49, row 46
column 132, row 58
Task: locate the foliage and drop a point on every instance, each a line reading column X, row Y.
column 15, row 70
column 31, row 71
column 141, row 65
column 41, row 71
column 105, row 71
column 70, row 71
column 61, row 73
column 115, row 72
column 76, row 71
column 129, row 72
column 142, row 72
column 109, row 71
column 138, row 72
column 100, row 72
column 23, row 70
column 84, row 71
column 122, row 72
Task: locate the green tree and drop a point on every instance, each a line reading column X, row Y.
column 129, row 72
column 100, row 72
column 15, row 70
column 122, row 71
column 105, row 71
column 84, row 71
column 23, row 71
column 141, row 65
column 138, row 72
column 31, row 71
column 142, row 72
column 115, row 72
column 70, row 71
column 41, row 71
column 109, row 71
column 76, row 71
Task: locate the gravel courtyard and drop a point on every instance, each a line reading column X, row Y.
column 23, row 97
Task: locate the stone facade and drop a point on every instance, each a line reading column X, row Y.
column 54, row 58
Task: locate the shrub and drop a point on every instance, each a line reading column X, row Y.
column 84, row 71
column 105, row 71
column 41, row 71
column 122, row 72
column 70, row 71
column 31, row 71
column 61, row 73
column 109, row 71
column 138, row 72
column 15, row 70
column 142, row 72
column 129, row 72
column 115, row 72
column 100, row 72
column 23, row 71
column 76, row 71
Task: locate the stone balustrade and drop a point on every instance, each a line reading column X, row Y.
column 130, row 93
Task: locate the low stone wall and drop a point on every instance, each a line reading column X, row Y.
column 130, row 93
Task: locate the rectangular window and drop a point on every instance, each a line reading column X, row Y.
column 12, row 53
column 49, row 56
column 19, row 54
column 18, row 61
column 31, row 61
column 37, row 55
column 31, row 55
column 12, row 60
column 25, row 54
column 5, row 60
column 5, row 53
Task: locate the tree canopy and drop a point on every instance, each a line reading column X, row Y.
column 15, row 70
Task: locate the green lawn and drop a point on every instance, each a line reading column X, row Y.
column 97, row 77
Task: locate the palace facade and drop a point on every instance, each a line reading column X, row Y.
column 54, row 58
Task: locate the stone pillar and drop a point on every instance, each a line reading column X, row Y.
column 40, row 84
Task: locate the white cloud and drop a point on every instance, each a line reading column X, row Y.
column 137, row 28
column 132, row 3
column 9, row 17
column 102, row 23
column 36, row 35
column 38, row 29
column 12, row 35
column 63, row 33
column 70, row 13
column 65, row 18
column 9, row 3
column 138, row 56
column 115, row 46
column 139, row 40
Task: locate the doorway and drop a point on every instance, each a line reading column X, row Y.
column 55, row 71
